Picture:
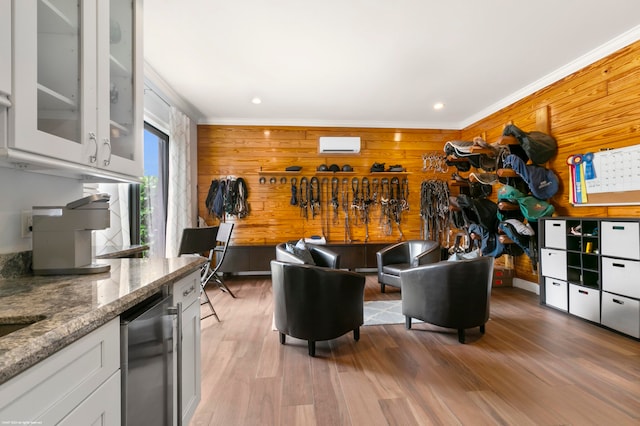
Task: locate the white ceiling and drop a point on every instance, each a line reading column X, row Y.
column 373, row 63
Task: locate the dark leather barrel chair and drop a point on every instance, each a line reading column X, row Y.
column 315, row 303
column 449, row 294
column 321, row 256
column 404, row 255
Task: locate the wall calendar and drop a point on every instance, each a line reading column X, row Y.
column 608, row 177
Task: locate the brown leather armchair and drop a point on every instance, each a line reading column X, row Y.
column 322, row 256
column 404, row 255
column 449, row 294
column 314, row 303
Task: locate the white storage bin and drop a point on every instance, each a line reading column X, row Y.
column 556, row 293
column 553, row 263
column 621, row 313
column 584, row 302
column 621, row 276
column 620, row 239
column 555, row 234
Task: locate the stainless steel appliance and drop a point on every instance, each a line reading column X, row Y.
column 147, row 363
column 62, row 236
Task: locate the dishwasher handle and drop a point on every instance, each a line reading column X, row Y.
column 177, row 311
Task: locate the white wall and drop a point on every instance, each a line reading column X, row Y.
column 20, row 191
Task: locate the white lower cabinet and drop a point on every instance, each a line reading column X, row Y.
column 584, row 302
column 102, row 407
column 621, row 313
column 187, row 292
column 557, row 293
column 190, row 361
column 76, row 386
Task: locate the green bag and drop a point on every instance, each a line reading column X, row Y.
column 533, row 208
column 530, row 207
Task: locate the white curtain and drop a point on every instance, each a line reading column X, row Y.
column 179, row 202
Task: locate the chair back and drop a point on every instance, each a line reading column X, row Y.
column 321, row 256
column 314, row 302
column 417, row 247
column 224, row 233
column 223, row 238
column 198, row 240
column 449, row 294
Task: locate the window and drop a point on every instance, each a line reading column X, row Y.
column 149, row 199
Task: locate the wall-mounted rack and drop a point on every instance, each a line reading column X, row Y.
column 318, row 173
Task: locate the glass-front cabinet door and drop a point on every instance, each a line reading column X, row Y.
column 77, row 83
column 49, row 70
column 121, row 87
column 5, row 52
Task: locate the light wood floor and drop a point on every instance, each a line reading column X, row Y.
column 534, row 366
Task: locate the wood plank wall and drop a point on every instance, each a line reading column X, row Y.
column 596, row 107
column 244, row 151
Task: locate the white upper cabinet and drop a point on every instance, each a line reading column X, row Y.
column 122, row 87
column 77, row 74
column 5, row 52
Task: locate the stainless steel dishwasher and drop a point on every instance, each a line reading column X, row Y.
column 147, row 363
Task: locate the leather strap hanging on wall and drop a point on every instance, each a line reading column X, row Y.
column 355, row 200
column 396, row 203
column 366, row 202
column 294, row 192
column 375, row 189
column 334, row 199
column 385, row 206
column 304, row 197
column 241, row 206
column 325, row 220
column 434, row 210
column 314, row 197
column 404, row 189
column 345, row 209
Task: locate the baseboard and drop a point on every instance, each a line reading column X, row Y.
column 526, row 285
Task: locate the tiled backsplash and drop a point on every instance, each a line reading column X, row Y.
column 15, row 264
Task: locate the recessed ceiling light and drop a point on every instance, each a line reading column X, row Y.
column 256, row 100
column 438, row 105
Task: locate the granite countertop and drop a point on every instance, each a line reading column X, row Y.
column 75, row 305
column 113, row 252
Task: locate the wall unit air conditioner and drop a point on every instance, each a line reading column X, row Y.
column 339, row 145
